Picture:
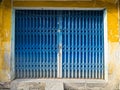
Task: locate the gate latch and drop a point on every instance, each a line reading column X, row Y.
column 60, row 46
column 58, row 30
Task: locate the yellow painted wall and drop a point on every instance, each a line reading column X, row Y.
column 5, row 37
column 5, row 28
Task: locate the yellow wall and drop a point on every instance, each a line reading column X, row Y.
column 5, row 37
column 5, row 27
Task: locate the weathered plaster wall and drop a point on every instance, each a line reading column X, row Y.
column 113, row 34
column 5, row 36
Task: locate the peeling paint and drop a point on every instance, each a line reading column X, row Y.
column 114, row 66
column 5, row 36
column 113, row 34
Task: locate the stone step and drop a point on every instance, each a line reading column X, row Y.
column 24, row 85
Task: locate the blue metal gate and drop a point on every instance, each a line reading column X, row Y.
column 83, row 44
column 36, row 44
column 59, row 43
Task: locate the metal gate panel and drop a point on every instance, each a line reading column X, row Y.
column 36, row 44
column 59, row 43
column 83, row 44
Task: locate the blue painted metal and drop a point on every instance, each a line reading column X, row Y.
column 83, row 44
column 36, row 44
column 76, row 36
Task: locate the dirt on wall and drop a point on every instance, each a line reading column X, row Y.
column 112, row 25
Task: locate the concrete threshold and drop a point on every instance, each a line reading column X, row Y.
column 55, row 84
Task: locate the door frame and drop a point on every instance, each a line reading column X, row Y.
column 12, row 62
